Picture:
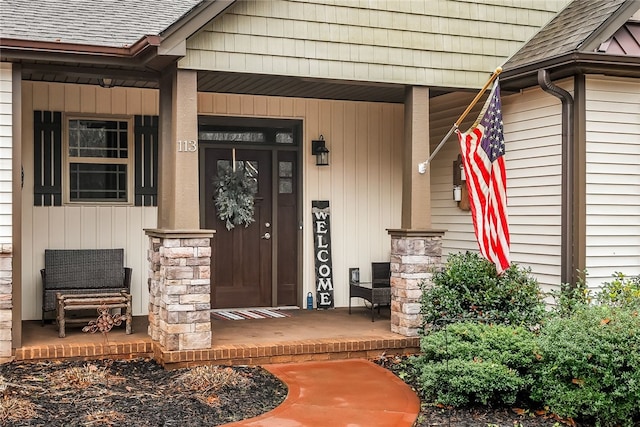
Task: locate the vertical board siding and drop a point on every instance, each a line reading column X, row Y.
column 612, row 178
column 363, row 181
column 6, row 146
column 87, row 226
column 532, row 126
column 426, row 42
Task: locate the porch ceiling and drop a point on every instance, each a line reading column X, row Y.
column 302, row 87
column 222, row 82
column 88, row 74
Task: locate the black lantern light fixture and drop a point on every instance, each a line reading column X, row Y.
column 319, row 149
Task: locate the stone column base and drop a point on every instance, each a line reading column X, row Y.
column 180, row 288
column 6, row 302
column 414, row 256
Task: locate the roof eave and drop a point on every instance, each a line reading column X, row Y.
column 16, row 49
column 570, row 64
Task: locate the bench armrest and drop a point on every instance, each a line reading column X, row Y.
column 127, row 277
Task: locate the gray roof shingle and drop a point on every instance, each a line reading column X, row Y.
column 111, row 23
column 566, row 32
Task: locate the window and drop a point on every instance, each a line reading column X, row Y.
column 99, row 160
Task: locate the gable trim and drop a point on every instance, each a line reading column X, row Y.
column 610, row 26
column 175, row 36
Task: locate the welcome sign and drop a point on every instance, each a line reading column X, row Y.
column 322, row 252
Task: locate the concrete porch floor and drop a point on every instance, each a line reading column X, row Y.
column 304, row 336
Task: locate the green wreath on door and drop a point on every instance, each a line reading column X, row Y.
column 234, row 195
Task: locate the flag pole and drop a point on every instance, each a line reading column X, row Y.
column 422, row 167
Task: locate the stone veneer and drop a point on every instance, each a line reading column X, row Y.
column 414, row 256
column 180, row 289
column 6, row 275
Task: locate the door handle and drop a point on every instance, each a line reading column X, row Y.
column 266, row 236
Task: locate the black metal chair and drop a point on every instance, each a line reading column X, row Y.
column 377, row 292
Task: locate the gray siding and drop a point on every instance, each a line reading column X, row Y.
column 613, row 178
column 6, row 135
column 533, row 160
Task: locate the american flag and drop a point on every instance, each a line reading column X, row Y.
column 482, row 148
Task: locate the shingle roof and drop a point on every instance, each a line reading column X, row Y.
column 566, row 32
column 112, row 23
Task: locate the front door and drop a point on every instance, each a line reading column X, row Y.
column 241, row 257
column 257, row 265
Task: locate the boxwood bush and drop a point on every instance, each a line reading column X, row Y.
column 462, row 382
column 468, row 288
column 472, row 363
column 590, row 366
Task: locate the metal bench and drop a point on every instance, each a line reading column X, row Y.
column 377, row 292
column 82, row 274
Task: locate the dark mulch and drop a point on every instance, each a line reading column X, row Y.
column 133, row 393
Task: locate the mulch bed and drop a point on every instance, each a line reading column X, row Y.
column 133, row 393
column 141, row 393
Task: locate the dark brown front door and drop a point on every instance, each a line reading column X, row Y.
column 241, row 257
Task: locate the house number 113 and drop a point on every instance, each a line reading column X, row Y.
column 187, row 146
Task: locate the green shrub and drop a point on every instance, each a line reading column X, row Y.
column 463, row 382
column 621, row 291
column 512, row 346
column 468, row 288
column 589, row 366
column 488, row 364
column 571, row 297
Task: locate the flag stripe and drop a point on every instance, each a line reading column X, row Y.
column 482, row 149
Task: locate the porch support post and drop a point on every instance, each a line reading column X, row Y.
column 416, row 187
column 179, row 289
column 414, row 256
column 415, row 249
column 178, row 189
column 179, row 252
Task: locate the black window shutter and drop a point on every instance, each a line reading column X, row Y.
column 146, row 159
column 47, row 158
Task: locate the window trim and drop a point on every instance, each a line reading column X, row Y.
column 67, row 159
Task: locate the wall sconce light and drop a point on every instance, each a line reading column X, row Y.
column 460, row 195
column 319, row 149
column 106, row 82
column 457, row 193
column 458, row 179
